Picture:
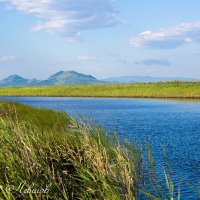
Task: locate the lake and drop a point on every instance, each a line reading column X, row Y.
column 173, row 125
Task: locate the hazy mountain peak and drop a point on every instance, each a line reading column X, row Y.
column 14, row 76
column 142, row 79
column 71, row 77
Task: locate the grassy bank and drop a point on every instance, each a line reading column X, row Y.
column 152, row 90
column 43, row 149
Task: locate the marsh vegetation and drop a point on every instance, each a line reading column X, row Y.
column 175, row 89
column 78, row 160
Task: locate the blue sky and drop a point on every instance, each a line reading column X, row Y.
column 104, row 38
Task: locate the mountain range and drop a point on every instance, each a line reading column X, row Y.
column 144, row 79
column 59, row 78
column 75, row 78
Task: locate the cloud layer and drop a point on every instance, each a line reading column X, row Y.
column 168, row 38
column 153, row 62
column 4, row 59
column 68, row 17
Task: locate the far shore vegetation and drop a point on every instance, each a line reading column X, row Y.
column 174, row 89
column 44, row 149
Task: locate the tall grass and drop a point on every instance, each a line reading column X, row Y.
column 76, row 161
column 175, row 89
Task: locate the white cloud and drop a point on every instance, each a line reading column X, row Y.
column 7, row 58
column 68, row 17
column 168, row 38
column 197, row 53
column 87, row 58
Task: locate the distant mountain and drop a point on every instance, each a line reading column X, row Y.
column 71, row 77
column 139, row 79
column 15, row 80
column 59, row 78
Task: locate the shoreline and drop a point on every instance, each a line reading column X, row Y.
column 109, row 97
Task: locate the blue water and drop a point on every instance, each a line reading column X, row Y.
column 173, row 125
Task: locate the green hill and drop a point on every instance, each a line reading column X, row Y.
column 71, row 78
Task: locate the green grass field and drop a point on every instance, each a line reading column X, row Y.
column 144, row 90
column 73, row 160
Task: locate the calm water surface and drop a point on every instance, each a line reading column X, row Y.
column 172, row 125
